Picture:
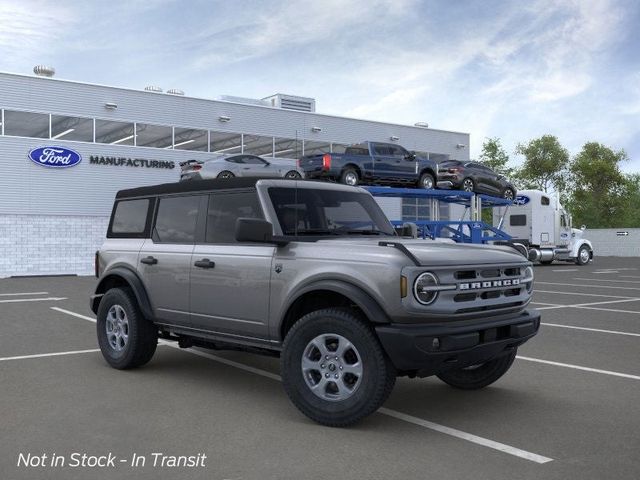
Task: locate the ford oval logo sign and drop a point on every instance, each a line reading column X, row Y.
column 521, row 200
column 55, row 157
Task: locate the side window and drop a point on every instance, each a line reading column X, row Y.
column 176, row 219
column 544, row 201
column 518, row 220
column 130, row 217
column 253, row 160
column 398, row 151
column 381, row 149
column 224, row 209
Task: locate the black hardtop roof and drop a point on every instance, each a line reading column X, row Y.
column 189, row 186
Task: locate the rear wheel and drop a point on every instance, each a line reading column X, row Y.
column 293, row 175
column 468, row 185
column 426, row 181
column 226, row 174
column 584, row 255
column 481, row 375
column 508, row 194
column 349, row 177
column 334, row 369
column 126, row 338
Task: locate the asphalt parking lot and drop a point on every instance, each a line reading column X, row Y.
column 568, row 409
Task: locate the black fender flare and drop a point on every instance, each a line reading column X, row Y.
column 132, row 279
column 369, row 306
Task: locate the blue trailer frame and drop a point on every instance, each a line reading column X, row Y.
column 460, row 231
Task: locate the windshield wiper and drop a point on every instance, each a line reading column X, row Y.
column 364, row 232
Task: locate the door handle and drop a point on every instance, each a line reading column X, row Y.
column 205, row 263
column 149, row 260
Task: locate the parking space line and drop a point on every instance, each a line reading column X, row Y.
column 606, row 280
column 73, row 314
column 608, row 309
column 586, row 286
column 54, row 354
column 47, row 299
column 466, row 436
column 583, row 294
column 614, row 332
column 629, row 276
column 578, row 367
column 552, row 306
column 567, row 270
column 23, row 293
column 533, row 457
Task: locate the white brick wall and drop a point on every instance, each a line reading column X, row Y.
column 49, row 245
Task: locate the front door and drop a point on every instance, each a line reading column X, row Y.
column 230, row 281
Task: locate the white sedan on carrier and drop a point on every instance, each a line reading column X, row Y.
column 243, row 165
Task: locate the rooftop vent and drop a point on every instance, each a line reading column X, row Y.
column 44, row 71
column 175, row 91
column 153, row 88
column 291, row 102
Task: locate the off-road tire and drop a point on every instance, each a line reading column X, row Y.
column 378, row 374
column 142, row 334
column 474, row 378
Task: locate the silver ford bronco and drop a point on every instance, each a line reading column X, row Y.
column 313, row 273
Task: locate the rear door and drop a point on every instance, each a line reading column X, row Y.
column 230, row 280
column 165, row 259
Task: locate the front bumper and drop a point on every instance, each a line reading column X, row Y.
column 430, row 349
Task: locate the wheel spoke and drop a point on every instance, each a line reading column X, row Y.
column 354, row 369
column 310, row 365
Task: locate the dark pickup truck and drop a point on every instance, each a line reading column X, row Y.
column 372, row 162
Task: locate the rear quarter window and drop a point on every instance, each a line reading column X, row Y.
column 130, row 218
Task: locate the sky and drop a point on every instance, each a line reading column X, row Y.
column 507, row 69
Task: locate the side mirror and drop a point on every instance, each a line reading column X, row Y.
column 410, row 156
column 256, row 230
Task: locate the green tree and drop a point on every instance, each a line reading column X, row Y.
column 545, row 166
column 495, row 157
column 600, row 192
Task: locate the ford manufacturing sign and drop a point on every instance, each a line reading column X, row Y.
column 521, row 200
column 55, row 157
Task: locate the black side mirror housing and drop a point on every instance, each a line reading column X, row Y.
column 410, row 156
column 256, row 230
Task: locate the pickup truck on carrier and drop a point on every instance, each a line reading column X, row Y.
column 372, row 162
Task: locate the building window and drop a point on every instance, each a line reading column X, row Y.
column 316, row 148
column 287, row 148
column 257, row 145
column 225, row 143
column 26, row 124
column 72, row 128
column 190, row 139
column 156, row 136
column 114, row 133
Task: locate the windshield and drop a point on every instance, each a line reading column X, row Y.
column 305, row 211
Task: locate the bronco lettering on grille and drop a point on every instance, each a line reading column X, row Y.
column 489, row 284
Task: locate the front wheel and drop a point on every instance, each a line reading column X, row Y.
column 426, row 181
column 584, row 255
column 334, row 369
column 481, row 375
column 126, row 338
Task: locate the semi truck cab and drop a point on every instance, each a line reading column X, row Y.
column 538, row 221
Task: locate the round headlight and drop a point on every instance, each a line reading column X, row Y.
column 423, row 288
column 528, row 277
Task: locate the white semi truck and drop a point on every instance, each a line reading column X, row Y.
column 538, row 222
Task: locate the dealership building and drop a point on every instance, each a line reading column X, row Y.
column 52, row 220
